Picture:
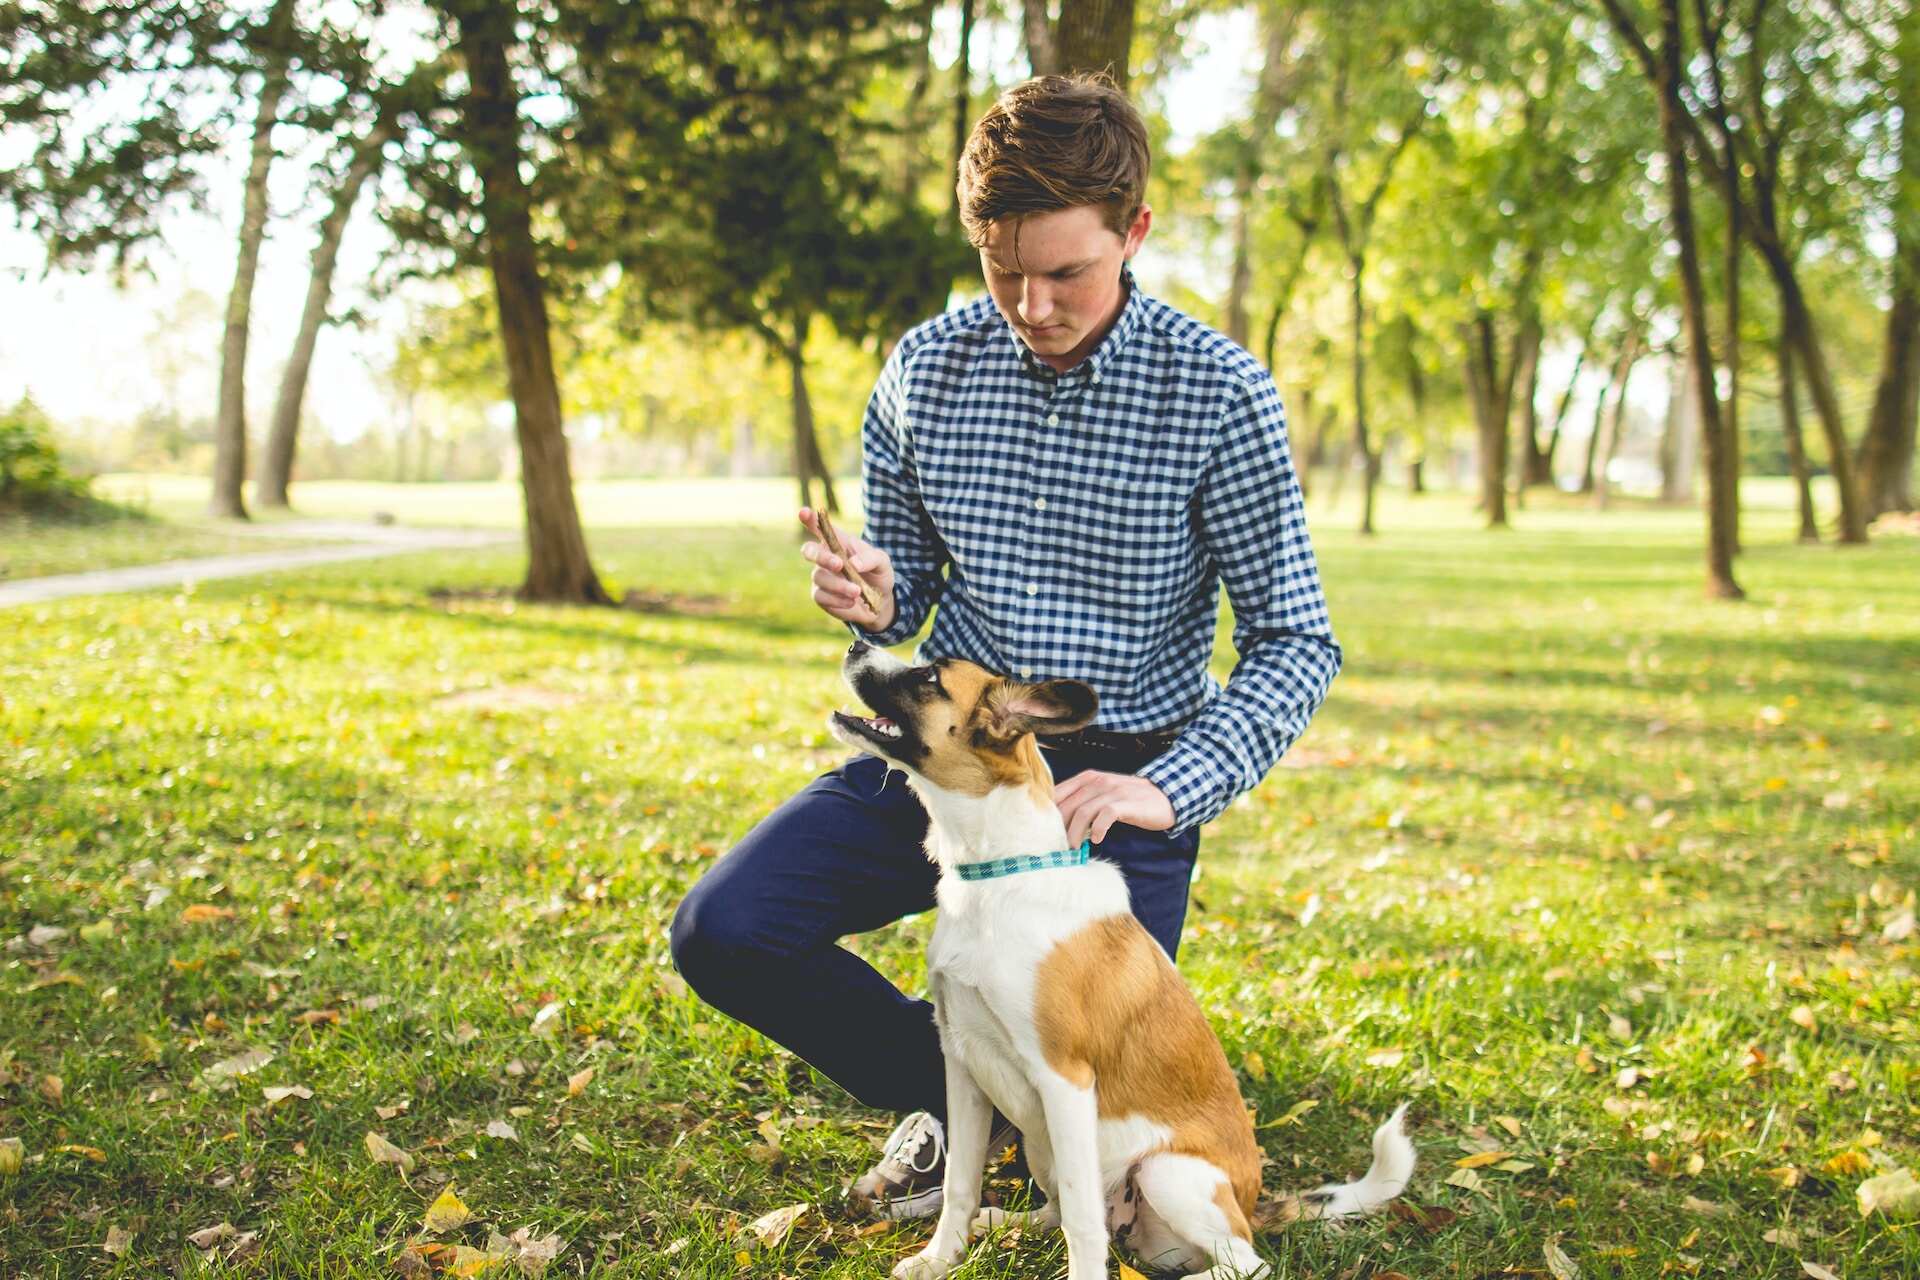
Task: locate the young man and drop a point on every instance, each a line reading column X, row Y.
column 1068, row 470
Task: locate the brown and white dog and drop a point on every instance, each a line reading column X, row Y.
column 1056, row 1005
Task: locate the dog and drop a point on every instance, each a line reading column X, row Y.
column 1054, row 1004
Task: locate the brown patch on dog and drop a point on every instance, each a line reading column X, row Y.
column 972, row 753
column 1112, row 1012
column 1235, row 1215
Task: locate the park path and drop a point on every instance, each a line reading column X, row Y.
column 355, row 542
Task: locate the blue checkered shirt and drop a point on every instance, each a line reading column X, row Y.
column 1080, row 525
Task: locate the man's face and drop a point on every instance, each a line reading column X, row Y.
column 1056, row 277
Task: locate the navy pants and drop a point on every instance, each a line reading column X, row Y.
column 756, row 936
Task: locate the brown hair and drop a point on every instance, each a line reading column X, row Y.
column 1055, row 142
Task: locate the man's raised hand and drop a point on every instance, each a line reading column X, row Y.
column 833, row 591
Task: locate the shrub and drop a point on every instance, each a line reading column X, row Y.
column 32, row 476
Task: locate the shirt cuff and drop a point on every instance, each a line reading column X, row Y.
column 1197, row 788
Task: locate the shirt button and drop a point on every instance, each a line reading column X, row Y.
column 1096, row 375
column 1033, row 588
column 1053, row 419
column 1039, row 504
column 1026, row 673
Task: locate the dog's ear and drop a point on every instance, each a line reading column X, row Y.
column 1051, row 707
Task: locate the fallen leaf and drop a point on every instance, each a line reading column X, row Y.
column 207, row 1237
column 1894, row 1194
column 547, row 1020
column 1585, row 1061
column 205, row 913
column 53, row 1089
column 1510, row 1124
column 1386, row 1057
column 577, row 1082
column 771, row 1229
column 1619, row 1028
column 1254, row 1065
column 278, row 1093
column 1900, row 928
column 1128, row 1273
column 313, row 1017
column 1786, row 1177
column 1628, row 1077
column 535, row 1252
column 56, row 980
column 388, row 1113
column 1481, row 1159
column 98, row 931
column 446, row 1212
column 411, row 1265
column 1802, row 1016
column 1705, row 1208
column 465, row 1033
column 13, row 1153
column 1515, row 1166
column 385, row 1152
column 1848, row 1162
column 1425, row 1217
column 1294, row 1113
column 238, row 1065
column 469, row 1261
column 501, row 1129
column 117, row 1242
column 1466, row 1179
column 94, row 1154
column 1784, row 1237
column 1817, row 1271
column 1558, row 1263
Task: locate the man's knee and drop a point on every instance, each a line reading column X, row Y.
column 711, row 945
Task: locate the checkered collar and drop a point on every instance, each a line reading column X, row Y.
column 1110, row 346
column 998, row 867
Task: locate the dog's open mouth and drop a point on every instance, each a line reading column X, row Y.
column 878, row 726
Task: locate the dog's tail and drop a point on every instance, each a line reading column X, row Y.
column 1386, row 1177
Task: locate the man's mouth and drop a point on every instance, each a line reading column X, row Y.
column 878, row 725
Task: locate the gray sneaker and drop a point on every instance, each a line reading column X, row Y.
column 911, row 1175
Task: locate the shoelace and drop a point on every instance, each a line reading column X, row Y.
column 910, row 1135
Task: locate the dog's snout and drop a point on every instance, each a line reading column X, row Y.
column 858, row 649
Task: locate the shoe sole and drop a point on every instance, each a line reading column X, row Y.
column 921, row 1204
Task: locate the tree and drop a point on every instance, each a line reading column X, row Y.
column 1887, row 448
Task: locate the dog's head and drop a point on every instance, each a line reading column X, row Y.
column 955, row 724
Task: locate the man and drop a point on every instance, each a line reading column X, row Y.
column 1068, row 470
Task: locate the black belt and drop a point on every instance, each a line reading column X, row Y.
column 1152, row 742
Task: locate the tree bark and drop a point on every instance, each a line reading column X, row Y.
column 558, row 567
column 1602, row 485
column 1796, row 443
column 1269, row 99
column 1886, row 450
column 1482, row 382
column 1528, row 459
column 1369, row 458
column 1594, row 436
column 1720, row 580
column 1094, row 35
column 276, row 461
column 807, row 459
column 1042, row 52
column 230, row 419
column 962, row 101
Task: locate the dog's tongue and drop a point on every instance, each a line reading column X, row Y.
column 883, row 722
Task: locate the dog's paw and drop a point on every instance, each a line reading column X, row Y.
column 925, row 1265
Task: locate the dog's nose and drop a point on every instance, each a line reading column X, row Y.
column 858, row 648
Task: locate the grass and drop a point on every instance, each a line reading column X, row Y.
column 1592, row 871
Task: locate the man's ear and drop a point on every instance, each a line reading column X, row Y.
column 1052, row 707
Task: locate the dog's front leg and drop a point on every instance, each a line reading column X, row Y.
column 1073, row 1123
column 969, row 1121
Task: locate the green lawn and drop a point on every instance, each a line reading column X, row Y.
column 1594, row 872
column 32, row 547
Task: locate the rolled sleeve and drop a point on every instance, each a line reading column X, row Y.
column 1251, row 520
column 897, row 520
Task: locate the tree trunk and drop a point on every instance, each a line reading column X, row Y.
column 1528, row 457
column 1796, row 443
column 1547, row 455
column 962, row 101
column 1369, row 460
column 1720, row 580
column 1886, row 450
column 558, row 567
column 1482, row 378
column 1269, row 99
column 807, row 459
column 1094, row 35
column 276, row 461
column 230, row 420
column 1042, row 52
column 1594, row 436
column 1617, row 429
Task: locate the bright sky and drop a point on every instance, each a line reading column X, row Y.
column 88, row 349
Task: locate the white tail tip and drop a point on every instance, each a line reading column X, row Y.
column 1386, row 1177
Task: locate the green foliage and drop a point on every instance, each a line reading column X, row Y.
column 32, row 477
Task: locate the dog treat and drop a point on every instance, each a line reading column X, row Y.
column 832, row 539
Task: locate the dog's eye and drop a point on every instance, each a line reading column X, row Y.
column 930, row 676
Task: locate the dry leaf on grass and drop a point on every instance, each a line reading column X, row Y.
column 446, row 1212
column 53, row 1089
column 1802, row 1016
column 1293, row 1114
column 279, row 1093
column 1386, row 1057
column 1466, row 1179
column 1896, row 1194
column 13, row 1153
column 1848, row 1162
column 1482, row 1159
column 1254, row 1065
column 1784, row 1237
column 1425, row 1217
column 388, row 1113
column 771, row 1229
column 118, row 1241
column 1510, row 1124
column 205, row 913
column 547, row 1021
column 577, row 1082
column 501, row 1129
column 1128, row 1273
column 535, row 1252
column 1558, row 1263
column 1705, row 1208
column 1817, row 1271
column 207, row 1237
column 94, row 1154
column 238, row 1065
column 385, row 1152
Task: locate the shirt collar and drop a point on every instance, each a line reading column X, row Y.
column 1110, row 346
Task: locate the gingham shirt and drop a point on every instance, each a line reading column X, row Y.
column 1080, row 525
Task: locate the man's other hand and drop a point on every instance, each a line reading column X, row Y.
column 834, row 592
column 1092, row 802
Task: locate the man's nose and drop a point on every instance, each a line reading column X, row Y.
column 1036, row 304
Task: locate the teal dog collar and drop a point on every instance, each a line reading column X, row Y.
column 1026, row 862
